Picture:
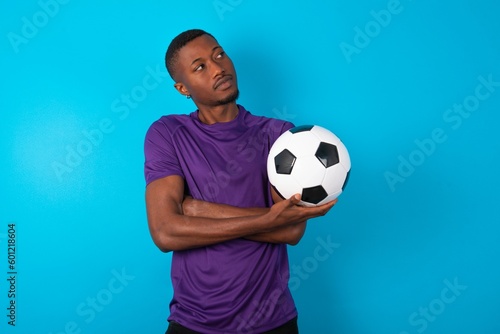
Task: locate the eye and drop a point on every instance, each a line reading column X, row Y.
column 220, row 55
column 199, row 67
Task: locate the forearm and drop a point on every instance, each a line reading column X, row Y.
column 198, row 208
column 180, row 232
column 289, row 234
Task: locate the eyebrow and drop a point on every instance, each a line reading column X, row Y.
column 199, row 58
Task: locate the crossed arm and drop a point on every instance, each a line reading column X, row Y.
column 289, row 234
column 178, row 223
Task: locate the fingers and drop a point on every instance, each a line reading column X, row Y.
column 295, row 199
column 332, row 203
column 309, row 211
column 321, row 210
column 329, row 205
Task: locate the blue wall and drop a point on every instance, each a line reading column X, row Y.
column 411, row 87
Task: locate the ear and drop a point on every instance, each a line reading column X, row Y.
column 181, row 88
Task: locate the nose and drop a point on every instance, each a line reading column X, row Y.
column 217, row 69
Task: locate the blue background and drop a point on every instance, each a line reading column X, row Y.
column 414, row 220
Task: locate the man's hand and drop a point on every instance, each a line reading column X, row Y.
column 288, row 211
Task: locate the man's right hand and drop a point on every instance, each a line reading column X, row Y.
column 289, row 212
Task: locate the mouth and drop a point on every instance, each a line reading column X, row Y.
column 223, row 82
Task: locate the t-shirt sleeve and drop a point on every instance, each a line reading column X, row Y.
column 285, row 126
column 160, row 153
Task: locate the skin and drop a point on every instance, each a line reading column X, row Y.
column 202, row 65
column 177, row 222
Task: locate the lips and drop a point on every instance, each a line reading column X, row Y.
column 222, row 80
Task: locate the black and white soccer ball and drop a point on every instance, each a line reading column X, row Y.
column 309, row 160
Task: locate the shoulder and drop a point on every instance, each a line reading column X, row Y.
column 170, row 121
column 273, row 126
column 167, row 125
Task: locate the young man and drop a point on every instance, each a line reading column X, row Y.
column 209, row 201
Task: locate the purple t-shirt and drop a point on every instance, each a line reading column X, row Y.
column 237, row 286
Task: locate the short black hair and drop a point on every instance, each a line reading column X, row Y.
column 176, row 44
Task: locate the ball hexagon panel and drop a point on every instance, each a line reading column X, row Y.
column 308, row 172
column 325, row 135
column 303, row 144
column 344, row 158
column 330, row 198
column 334, row 178
column 285, row 185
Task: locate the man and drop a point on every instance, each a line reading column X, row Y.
column 209, row 201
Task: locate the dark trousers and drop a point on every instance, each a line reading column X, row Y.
column 288, row 328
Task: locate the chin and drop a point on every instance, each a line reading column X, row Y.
column 229, row 98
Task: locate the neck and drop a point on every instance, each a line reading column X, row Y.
column 218, row 114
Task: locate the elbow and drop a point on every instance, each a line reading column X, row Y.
column 296, row 233
column 169, row 240
column 294, row 237
column 163, row 247
column 166, row 244
column 164, row 238
column 163, row 243
column 293, row 241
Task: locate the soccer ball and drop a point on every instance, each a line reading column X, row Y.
column 309, row 160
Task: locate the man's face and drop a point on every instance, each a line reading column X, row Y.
column 205, row 72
